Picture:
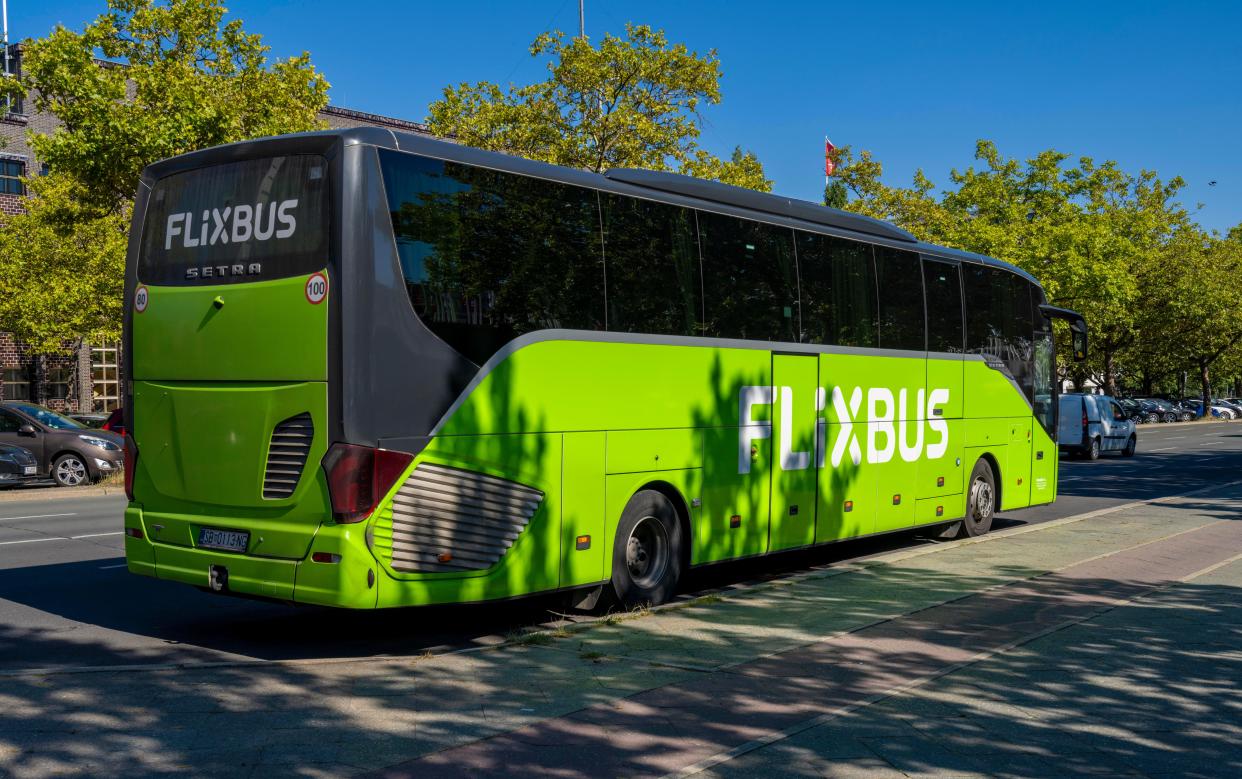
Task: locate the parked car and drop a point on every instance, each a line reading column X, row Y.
column 89, row 420
column 1135, row 410
column 1140, row 410
column 116, row 421
column 1234, row 408
column 17, row 466
column 1196, row 406
column 67, row 451
column 1093, row 424
column 1170, row 412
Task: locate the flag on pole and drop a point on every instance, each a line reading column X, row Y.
column 829, row 165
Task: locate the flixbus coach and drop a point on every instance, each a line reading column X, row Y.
column 372, row 369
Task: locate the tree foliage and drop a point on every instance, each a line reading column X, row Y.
column 178, row 78
column 630, row 102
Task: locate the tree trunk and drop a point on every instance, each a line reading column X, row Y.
column 1181, row 384
column 1110, row 374
column 1205, row 380
column 1148, row 385
column 1237, row 387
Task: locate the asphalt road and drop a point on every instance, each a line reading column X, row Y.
column 66, row 600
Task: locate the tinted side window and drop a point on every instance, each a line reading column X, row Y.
column 944, row 306
column 488, row 256
column 838, row 291
column 651, row 256
column 900, row 280
column 750, row 286
column 999, row 323
column 984, row 311
column 1020, row 334
column 9, row 423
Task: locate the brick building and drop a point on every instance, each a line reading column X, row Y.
column 87, row 379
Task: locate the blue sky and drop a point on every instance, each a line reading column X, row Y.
column 1150, row 84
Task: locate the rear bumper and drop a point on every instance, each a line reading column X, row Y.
column 351, row 582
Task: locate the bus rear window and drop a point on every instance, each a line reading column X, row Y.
column 237, row 222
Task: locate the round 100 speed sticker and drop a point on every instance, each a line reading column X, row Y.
column 317, row 288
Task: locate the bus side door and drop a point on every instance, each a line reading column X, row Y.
column 795, row 380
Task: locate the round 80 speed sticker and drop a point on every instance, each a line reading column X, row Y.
column 316, row 288
column 140, row 299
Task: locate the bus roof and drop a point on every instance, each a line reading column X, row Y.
column 672, row 188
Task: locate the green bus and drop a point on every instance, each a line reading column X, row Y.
column 371, row 369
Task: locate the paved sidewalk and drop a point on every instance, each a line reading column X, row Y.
column 1108, row 645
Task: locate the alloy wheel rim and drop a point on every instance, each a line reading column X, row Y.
column 71, row 472
column 981, row 501
column 646, row 552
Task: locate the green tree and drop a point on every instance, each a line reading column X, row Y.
column 1205, row 307
column 184, row 79
column 630, row 102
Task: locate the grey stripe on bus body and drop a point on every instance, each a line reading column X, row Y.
column 540, row 336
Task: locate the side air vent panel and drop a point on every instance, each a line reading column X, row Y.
column 448, row 519
column 286, row 456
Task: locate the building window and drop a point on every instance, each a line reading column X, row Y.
column 16, row 384
column 59, row 378
column 105, row 378
column 11, row 173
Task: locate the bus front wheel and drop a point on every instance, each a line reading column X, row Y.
column 646, row 555
column 980, row 501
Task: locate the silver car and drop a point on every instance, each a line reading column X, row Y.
column 1093, row 424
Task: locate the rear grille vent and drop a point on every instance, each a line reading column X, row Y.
column 286, row 456
column 446, row 519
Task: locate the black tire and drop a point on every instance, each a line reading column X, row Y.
column 1093, row 450
column 70, row 470
column 980, row 501
column 647, row 551
column 1131, row 446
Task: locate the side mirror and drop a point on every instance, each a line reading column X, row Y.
column 1080, row 345
column 1078, row 327
column 27, row 430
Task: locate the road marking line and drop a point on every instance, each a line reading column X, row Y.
column 1162, row 449
column 110, row 567
column 38, row 516
column 61, row 538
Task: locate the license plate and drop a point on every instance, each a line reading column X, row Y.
column 29, row 470
column 228, row 540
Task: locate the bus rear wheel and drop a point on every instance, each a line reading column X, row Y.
column 980, row 502
column 646, row 554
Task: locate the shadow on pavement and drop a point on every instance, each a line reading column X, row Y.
column 1150, row 686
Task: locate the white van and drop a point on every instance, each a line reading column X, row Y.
column 1091, row 424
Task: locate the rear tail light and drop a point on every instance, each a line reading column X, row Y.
column 130, row 464
column 359, row 477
